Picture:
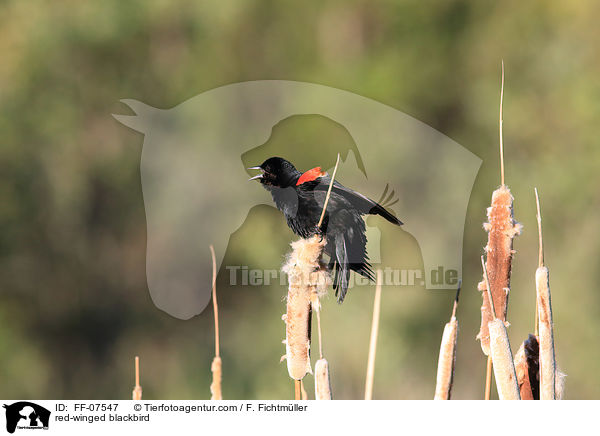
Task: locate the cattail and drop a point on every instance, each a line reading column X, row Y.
column 501, row 228
column 215, row 367
column 545, row 322
column 537, row 373
column 500, row 352
column 322, row 381
column 306, row 276
column 137, row 390
column 215, row 387
column 447, row 359
column 546, row 336
column 504, row 368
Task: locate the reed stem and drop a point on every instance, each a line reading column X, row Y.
column 337, row 162
column 501, row 121
column 373, row 340
column 216, row 366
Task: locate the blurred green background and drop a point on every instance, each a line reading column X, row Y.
column 74, row 304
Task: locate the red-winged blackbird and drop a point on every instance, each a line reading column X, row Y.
column 300, row 196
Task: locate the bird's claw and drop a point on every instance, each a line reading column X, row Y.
column 319, row 232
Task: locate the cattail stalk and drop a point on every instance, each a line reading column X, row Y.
column 137, row 390
column 488, row 378
column 447, row 359
column 215, row 367
column 502, row 358
column 500, row 125
column 373, row 340
column 322, row 381
column 304, row 395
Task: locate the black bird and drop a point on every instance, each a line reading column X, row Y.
column 300, row 196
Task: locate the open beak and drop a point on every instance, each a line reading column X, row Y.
column 258, row 176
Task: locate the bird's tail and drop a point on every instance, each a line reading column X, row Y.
column 342, row 268
column 381, row 211
column 341, row 264
column 386, row 200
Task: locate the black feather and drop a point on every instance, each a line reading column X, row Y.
column 343, row 226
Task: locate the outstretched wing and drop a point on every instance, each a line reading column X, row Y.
column 361, row 202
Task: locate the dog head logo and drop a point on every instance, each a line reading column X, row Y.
column 200, row 143
column 26, row 415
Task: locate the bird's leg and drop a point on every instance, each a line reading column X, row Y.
column 319, row 231
column 322, row 230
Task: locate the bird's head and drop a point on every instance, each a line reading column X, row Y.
column 276, row 172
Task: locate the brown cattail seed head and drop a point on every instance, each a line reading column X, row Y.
column 501, row 228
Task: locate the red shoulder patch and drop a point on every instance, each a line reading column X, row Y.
column 310, row 175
